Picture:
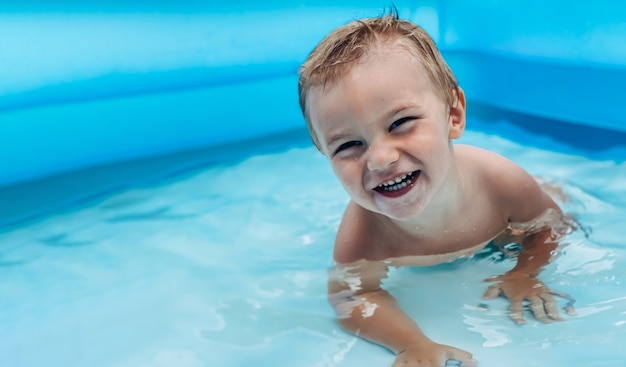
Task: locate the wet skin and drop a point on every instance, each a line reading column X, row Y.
column 416, row 199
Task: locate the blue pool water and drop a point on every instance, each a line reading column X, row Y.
column 161, row 204
column 226, row 265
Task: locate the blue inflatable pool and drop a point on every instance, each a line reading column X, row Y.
column 95, row 83
column 123, row 244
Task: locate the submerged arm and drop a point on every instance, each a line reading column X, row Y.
column 538, row 250
column 365, row 309
column 535, row 222
column 521, row 284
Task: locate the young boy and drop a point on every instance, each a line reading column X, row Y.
column 382, row 105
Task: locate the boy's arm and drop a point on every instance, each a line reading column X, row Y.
column 537, row 224
column 521, row 284
column 366, row 310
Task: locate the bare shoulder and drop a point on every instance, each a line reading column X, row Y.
column 352, row 272
column 494, row 172
column 508, row 184
column 483, row 157
column 355, row 235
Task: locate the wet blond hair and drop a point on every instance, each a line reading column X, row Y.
column 332, row 58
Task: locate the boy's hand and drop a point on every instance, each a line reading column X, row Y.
column 526, row 288
column 432, row 355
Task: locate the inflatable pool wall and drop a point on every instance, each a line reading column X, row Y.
column 99, row 82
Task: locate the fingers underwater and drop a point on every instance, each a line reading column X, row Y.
column 493, row 291
column 516, row 312
column 570, row 311
column 538, row 309
column 551, row 309
column 466, row 358
column 569, row 308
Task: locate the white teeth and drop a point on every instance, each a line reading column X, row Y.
column 396, row 184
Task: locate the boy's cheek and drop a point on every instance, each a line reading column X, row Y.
column 346, row 179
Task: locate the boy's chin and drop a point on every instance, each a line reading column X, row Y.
column 401, row 214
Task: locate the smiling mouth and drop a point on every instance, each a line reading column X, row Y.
column 399, row 186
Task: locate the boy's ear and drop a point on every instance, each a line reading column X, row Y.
column 456, row 119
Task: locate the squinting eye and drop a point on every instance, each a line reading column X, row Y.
column 399, row 122
column 348, row 145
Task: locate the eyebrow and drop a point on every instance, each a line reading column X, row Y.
column 336, row 136
column 401, row 108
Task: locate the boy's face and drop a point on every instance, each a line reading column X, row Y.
column 386, row 132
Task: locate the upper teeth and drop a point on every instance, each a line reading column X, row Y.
column 396, row 183
column 393, row 182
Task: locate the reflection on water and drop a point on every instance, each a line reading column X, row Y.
column 249, row 323
column 228, row 266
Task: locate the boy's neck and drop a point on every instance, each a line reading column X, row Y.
column 440, row 214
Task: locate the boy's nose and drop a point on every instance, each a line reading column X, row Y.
column 381, row 156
